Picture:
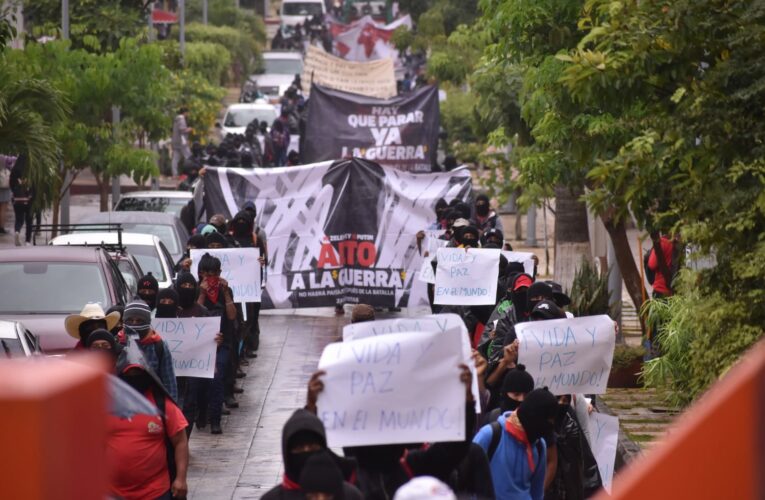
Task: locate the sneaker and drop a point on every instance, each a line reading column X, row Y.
column 231, row 402
column 17, row 239
column 215, row 429
column 28, row 244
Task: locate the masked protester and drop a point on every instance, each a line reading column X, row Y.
column 148, row 454
column 546, row 309
column 485, row 218
column 516, row 384
column 322, row 479
column 137, row 325
column 218, row 298
column 303, row 437
column 493, row 237
column 216, row 240
column 468, row 237
column 441, row 209
column 167, row 303
column 103, row 342
column 90, row 319
column 147, row 290
column 516, row 447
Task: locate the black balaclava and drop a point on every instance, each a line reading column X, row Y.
column 148, row 282
column 519, row 296
column 546, row 309
column 321, row 474
column 441, row 208
column 187, row 296
column 197, row 241
column 537, row 413
column 482, row 205
column 167, row 310
column 214, row 238
column 538, row 289
column 89, row 326
column 468, row 237
column 516, row 380
column 242, row 224
column 493, row 235
column 302, row 427
column 463, row 210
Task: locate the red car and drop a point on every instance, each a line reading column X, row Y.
column 41, row 285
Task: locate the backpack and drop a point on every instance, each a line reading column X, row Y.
column 649, row 273
column 172, row 468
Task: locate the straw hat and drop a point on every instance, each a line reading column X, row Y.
column 90, row 311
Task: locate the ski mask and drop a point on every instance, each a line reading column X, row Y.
column 137, row 318
column 468, row 237
column 168, row 309
column 147, row 290
column 538, row 292
column 516, row 380
column 519, row 295
column 187, row 295
column 537, row 413
column 482, row 205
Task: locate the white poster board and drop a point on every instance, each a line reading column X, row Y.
column 604, row 436
column 571, row 355
column 191, row 342
column 525, row 258
column 396, row 388
column 239, row 266
column 466, row 276
column 426, row 272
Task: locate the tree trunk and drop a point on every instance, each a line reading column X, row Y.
column 572, row 239
column 630, row 274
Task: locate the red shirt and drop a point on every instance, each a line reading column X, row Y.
column 137, row 455
column 659, row 283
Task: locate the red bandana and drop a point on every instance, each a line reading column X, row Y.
column 520, row 436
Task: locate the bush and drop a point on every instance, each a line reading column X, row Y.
column 242, row 46
column 589, row 291
column 225, row 13
column 458, row 116
column 211, row 60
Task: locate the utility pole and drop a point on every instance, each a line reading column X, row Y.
column 615, row 285
column 182, row 26
column 65, row 196
column 204, row 12
column 116, row 192
column 150, row 34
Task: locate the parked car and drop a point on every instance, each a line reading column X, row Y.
column 295, row 12
column 148, row 250
column 17, row 342
column 238, row 116
column 43, row 284
column 153, row 201
column 167, row 227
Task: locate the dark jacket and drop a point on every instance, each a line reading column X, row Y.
column 305, row 421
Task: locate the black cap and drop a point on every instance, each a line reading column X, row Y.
column 546, row 309
column 518, row 380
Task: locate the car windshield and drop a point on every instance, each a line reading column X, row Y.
column 148, row 259
column 129, row 273
column 165, row 233
column 301, row 9
column 283, row 66
column 50, row 287
column 243, row 117
column 158, row 204
column 11, row 348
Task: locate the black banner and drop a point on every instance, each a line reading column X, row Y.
column 400, row 132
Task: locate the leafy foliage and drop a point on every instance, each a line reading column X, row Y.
column 589, row 291
column 225, row 13
column 243, row 47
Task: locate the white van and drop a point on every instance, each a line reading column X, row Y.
column 298, row 11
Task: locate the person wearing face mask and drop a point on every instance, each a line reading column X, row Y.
column 216, row 240
column 91, row 318
column 103, row 342
column 538, row 292
column 494, row 238
column 485, row 218
column 468, row 237
column 303, row 437
column 167, row 303
column 322, row 479
column 147, row 290
column 148, row 454
column 137, row 325
column 516, row 447
column 515, row 386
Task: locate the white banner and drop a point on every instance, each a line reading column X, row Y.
column 466, row 276
column 568, row 355
column 374, row 78
column 191, row 342
column 239, row 266
column 396, row 388
column 604, row 436
column 525, row 258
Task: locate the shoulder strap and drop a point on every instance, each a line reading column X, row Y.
column 496, row 436
column 159, row 350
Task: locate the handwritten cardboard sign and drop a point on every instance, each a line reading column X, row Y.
column 191, row 342
column 239, row 266
column 431, row 323
column 395, row 388
column 525, row 258
column 604, row 437
column 466, row 277
column 568, row 355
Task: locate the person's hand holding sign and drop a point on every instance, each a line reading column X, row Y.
column 315, row 386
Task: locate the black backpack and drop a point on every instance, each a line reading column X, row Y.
column 648, row 272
